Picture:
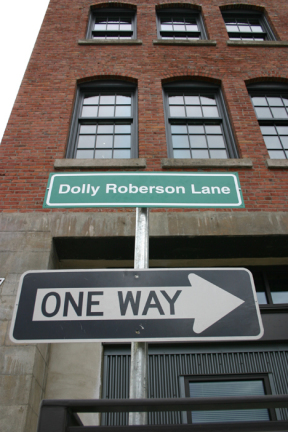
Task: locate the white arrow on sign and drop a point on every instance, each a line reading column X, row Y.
column 203, row 301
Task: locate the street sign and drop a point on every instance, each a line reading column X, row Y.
column 149, row 189
column 136, row 305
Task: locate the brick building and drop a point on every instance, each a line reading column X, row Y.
column 148, row 86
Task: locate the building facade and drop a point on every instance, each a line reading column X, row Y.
column 142, row 86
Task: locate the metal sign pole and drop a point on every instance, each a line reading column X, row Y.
column 139, row 350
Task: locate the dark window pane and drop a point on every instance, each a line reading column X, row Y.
column 89, row 111
column 85, row 129
column 104, row 141
column 86, row 141
column 122, row 141
column 84, row 154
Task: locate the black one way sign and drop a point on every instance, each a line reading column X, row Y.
column 144, row 305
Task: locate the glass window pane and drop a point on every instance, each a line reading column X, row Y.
column 261, row 297
column 215, row 141
column 279, row 112
column 208, row 100
column 122, row 129
column 106, row 111
column 181, row 154
column 285, row 101
column 259, row 101
column 198, row 141
column 278, row 283
column 275, row 101
column 195, row 129
column 84, row 154
column 89, row 111
column 177, row 111
column 86, row 141
column 179, row 129
column 123, row 100
column 166, row 27
column 231, row 28
column 228, row 389
column 268, row 130
column 282, row 130
column 104, row 141
column 179, row 27
column 244, row 28
column 112, row 26
column 192, row 100
column 256, row 28
column 123, row 141
column 284, row 140
column 194, row 111
column 272, row 142
column 123, row 111
column 105, row 129
column 100, row 27
column 87, row 129
column 103, row 154
column 218, row 154
column 125, row 27
column 122, row 154
column 107, row 100
column 263, row 112
column 176, row 100
column 91, row 100
column 213, row 129
column 191, row 27
column 180, row 141
column 200, row 154
column 210, row 111
column 274, row 154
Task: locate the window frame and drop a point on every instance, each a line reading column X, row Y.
column 196, row 87
column 91, row 89
column 229, row 377
column 270, row 90
column 249, row 14
column 111, row 11
column 181, row 12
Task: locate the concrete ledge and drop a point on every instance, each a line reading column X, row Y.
column 99, row 163
column 184, row 42
column 207, row 163
column 272, row 44
column 277, row 163
column 109, row 42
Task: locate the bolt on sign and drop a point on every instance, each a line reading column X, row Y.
column 136, row 305
column 149, row 189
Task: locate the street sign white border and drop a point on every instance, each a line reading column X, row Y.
column 141, row 204
column 127, row 340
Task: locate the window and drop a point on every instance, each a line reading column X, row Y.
column 179, row 24
column 271, row 106
column 112, row 23
column 247, row 26
column 104, row 122
column 228, row 386
column 196, row 122
column 271, row 286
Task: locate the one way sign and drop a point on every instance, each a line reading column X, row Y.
column 144, row 305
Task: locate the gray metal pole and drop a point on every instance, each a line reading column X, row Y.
column 139, row 350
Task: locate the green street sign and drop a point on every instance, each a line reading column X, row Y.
column 148, row 189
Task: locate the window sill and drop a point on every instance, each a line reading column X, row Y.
column 184, row 42
column 272, row 44
column 277, row 163
column 99, row 163
column 109, row 42
column 207, row 163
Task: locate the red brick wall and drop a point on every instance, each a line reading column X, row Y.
column 38, row 129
